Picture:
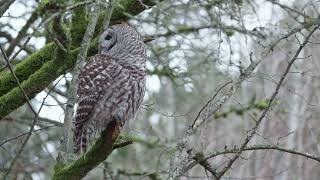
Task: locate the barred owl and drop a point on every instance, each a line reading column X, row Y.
column 111, row 85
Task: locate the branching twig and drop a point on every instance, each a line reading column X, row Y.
column 199, row 158
column 206, row 105
column 289, row 8
column 122, row 144
column 22, row 33
column 254, row 148
column 254, row 129
column 16, row 54
column 11, row 139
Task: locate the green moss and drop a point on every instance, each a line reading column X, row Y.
column 40, row 79
column 98, row 153
column 154, row 176
column 229, row 32
column 216, row 115
column 215, row 2
column 50, row 5
column 132, row 7
column 199, row 156
column 78, row 25
column 262, row 104
column 58, row 166
column 27, row 67
column 238, row 2
column 150, row 143
column 239, row 111
column 284, row 111
column 15, row 98
column 58, row 31
column 259, row 105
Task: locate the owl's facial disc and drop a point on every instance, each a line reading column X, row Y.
column 107, row 40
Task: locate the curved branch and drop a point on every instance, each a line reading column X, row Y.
column 252, row 148
column 97, row 153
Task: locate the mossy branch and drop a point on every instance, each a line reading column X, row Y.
column 27, row 67
column 97, row 153
column 103, row 147
column 39, row 79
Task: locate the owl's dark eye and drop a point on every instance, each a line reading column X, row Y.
column 108, row 37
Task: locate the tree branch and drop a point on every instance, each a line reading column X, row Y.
column 253, row 148
column 67, row 125
column 199, row 158
column 97, row 153
column 4, row 6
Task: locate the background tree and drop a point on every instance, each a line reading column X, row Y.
column 232, row 89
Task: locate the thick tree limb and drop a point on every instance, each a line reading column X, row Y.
column 97, row 153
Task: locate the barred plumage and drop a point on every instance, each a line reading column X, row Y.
column 111, row 85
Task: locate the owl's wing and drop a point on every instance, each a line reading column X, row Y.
column 93, row 79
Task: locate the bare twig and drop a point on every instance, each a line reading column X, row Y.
column 71, row 94
column 122, row 144
column 206, row 105
column 40, row 122
column 16, row 54
column 254, row 148
column 289, row 8
column 186, row 30
column 22, row 33
column 16, row 137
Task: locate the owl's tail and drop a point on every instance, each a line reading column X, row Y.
column 80, row 140
column 82, row 137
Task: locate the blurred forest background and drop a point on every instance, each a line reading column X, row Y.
column 233, row 88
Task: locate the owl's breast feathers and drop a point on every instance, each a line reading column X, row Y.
column 107, row 91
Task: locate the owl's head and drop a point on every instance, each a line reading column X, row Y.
column 121, row 39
